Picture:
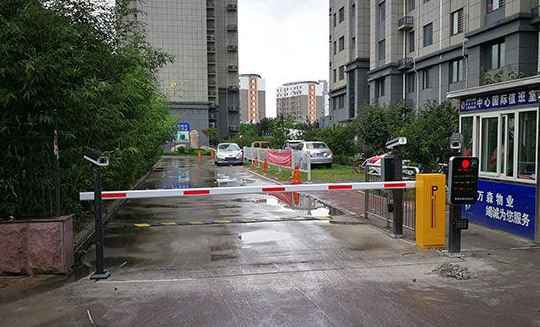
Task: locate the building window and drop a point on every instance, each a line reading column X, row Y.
column 379, row 87
column 341, row 43
column 341, row 72
column 411, row 41
column 527, row 145
column 382, row 49
column 382, row 11
column 341, row 101
column 497, row 55
column 489, row 145
column 457, row 22
column 428, row 78
column 492, row 5
column 335, row 75
column 410, row 83
column 428, row 34
column 456, row 71
column 341, row 14
column 335, row 47
column 335, row 20
column 411, row 4
column 426, row 1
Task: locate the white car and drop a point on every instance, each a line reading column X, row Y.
column 228, row 154
column 319, row 153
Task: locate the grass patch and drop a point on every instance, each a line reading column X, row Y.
column 337, row 173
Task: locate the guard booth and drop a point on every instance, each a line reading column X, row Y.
column 500, row 125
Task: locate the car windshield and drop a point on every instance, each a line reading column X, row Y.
column 316, row 145
column 228, row 147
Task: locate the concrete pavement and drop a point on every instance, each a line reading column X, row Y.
column 294, row 273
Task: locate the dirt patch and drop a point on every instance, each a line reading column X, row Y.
column 453, row 270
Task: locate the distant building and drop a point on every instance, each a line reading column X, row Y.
column 303, row 101
column 252, row 98
column 202, row 81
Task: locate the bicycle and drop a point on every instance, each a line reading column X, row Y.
column 359, row 164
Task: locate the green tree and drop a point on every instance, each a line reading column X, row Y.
column 428, row 134
column 281, row 128
column 92, row 65
column 212, row 134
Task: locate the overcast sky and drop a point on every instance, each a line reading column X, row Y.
column 283, row 41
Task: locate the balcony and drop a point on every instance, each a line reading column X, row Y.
column 233, row 109
column 212, row 117
column 210, row 4
column 232, row 7
column 233, row 128
column 232, row 68
column 535, row 15
column 405, row 63
column 232, row 47
column 210, row 38
column 210, row 48
column 405, row 23
column 232, row 28
column 233, row 88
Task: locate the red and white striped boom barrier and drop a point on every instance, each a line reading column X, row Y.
column 165, row 193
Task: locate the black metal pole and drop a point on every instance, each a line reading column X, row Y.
column 57, row 164
column 100, row 272
column 397, row 222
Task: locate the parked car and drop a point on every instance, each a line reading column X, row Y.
column 291, row 144
column 261, row 144
column 319, row 153
column 229, row 154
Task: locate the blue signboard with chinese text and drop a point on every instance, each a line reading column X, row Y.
column 181, row 133
column 501, row 100
column 504, row 206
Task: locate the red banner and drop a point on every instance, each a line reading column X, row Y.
column 280, row 158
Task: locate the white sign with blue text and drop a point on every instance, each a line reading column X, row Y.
column 504, row 206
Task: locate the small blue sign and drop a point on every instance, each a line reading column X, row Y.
column 504, row 206
column 182, row 127
column 501, row 100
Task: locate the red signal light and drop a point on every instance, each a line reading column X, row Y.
column 465, row 164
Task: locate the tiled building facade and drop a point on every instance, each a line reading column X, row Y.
column 303, row 101
column 202, row 81
column 252, row 98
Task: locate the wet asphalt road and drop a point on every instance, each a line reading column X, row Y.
column 292, row 273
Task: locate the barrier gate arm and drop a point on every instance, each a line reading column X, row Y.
column 163, row 193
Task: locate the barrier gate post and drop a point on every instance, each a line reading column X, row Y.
column 391, row 170
column 100, row 272
column 99, row 159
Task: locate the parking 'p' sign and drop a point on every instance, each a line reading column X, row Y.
column 463, row 180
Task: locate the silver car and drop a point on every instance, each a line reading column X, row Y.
column 228, row 154
column 319, row 153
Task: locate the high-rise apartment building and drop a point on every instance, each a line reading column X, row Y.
column 303, row 101
column 252, row 98
column 202, row 82
column 349, row 58
column 422, row 49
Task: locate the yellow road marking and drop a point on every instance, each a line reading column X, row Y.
column 322, row 218
column 166, row 223
column 196, row 223
column 141, row 225
column 247, row 219
column 299, row 218
column 221, row 221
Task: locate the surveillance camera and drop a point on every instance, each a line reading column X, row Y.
column 96, row 157
column 397, row 142
column 456, row 141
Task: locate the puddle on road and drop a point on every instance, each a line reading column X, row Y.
column 263, row 236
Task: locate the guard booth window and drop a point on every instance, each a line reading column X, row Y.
column 505, row 142
column 527, row 145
